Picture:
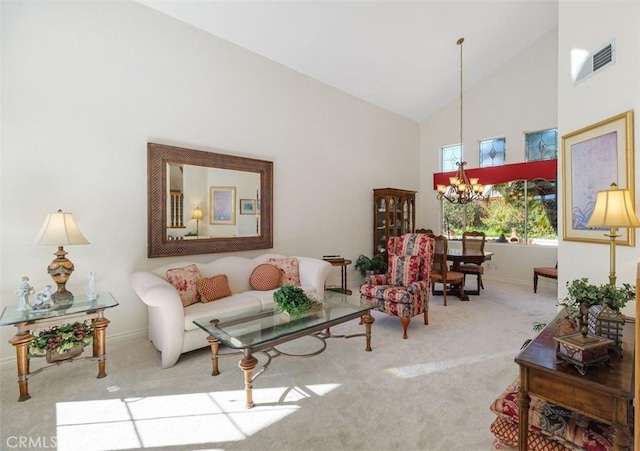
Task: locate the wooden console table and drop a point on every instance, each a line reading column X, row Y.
column 604, row 393
column 80, row 310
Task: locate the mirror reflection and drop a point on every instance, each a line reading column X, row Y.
column 205, row 202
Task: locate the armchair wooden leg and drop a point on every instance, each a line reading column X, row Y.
column 405, row 324
column 535, row 283
column 426, row 317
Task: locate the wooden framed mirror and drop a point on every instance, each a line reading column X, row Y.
column 195, row 201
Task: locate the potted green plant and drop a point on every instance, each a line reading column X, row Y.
column 294, row 301
column 597, row 308
column 371, row 265
column 583, row 294
column 61, row 342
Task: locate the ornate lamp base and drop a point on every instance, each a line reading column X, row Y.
column 60, row 270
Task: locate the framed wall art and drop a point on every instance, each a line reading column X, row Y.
column 222, row 205
column 592, row 159
column 247, row 206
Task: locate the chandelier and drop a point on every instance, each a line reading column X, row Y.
column 461, row 189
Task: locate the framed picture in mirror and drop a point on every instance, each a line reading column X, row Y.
column 222, row 201
column 247, row 207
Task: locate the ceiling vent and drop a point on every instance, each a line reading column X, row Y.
column 597, row 61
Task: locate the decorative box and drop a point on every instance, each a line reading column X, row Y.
column 583, row 351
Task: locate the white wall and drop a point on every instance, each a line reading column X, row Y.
column 589, row 25
column 520, row 97
column 87, row 84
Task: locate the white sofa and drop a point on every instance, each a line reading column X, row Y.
column 171, row 328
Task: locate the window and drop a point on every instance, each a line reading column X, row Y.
column 450, row 156
column 528, row 207
column 541, row 145
column 492, row 152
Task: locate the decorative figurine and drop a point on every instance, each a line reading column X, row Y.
column 91, row 289
column 23, row 292
column 43, row 298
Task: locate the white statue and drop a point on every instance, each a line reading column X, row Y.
column 43, row 298
column 23, row 292
column 91, row 289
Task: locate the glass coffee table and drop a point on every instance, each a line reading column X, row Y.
column 263, row 331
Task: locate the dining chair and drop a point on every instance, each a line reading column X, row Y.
column 440, row 272
column 473, row 242
column 544, row 271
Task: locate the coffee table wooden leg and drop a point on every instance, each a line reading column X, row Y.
column 247, row 364
column 21, row 343
column 368, row 321
column 100, row 344
column 214, row 354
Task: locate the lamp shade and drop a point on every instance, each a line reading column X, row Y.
column 60, row 229
column 614, row 208
column 197, row 213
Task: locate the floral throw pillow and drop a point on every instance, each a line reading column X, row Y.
column 212, row 288
column 404, row 269
column 289, row 270
column 185, row 280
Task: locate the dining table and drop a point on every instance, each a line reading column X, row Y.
column 456, row 256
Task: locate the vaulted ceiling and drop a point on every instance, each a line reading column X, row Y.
column 398, row 55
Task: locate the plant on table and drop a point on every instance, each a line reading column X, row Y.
column 373, row 265
column 61, row 339
column 583, row 294
column 293, row 300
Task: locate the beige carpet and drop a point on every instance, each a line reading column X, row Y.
column 429, row 392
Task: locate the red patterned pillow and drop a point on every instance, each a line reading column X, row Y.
column 547, row 419
column 185, row 281
column 289, row 271
column 212, row 288
column 507, row 432
column 403, row 269
column 265, row 277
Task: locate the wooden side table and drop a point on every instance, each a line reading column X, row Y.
column 604, row 393
column 80, row 310
column 343, row 263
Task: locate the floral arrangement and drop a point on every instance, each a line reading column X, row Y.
column 60, row 339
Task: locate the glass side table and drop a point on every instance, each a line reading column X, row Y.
column 80, row 310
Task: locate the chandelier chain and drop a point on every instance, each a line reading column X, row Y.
column 461, row 190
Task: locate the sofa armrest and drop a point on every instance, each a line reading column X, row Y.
column 166, row 314
column 313, row 273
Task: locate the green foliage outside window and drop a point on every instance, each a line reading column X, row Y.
column 504, row 209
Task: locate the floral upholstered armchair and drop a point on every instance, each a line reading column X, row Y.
column 406, row 288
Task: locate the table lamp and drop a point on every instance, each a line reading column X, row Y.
column 613, row 209
column 197, row 215
column 60, row 229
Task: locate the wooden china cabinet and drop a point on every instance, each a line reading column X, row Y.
column 394, row 214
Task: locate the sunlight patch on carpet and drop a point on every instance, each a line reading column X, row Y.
column 175, row 420
column 421, row 369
